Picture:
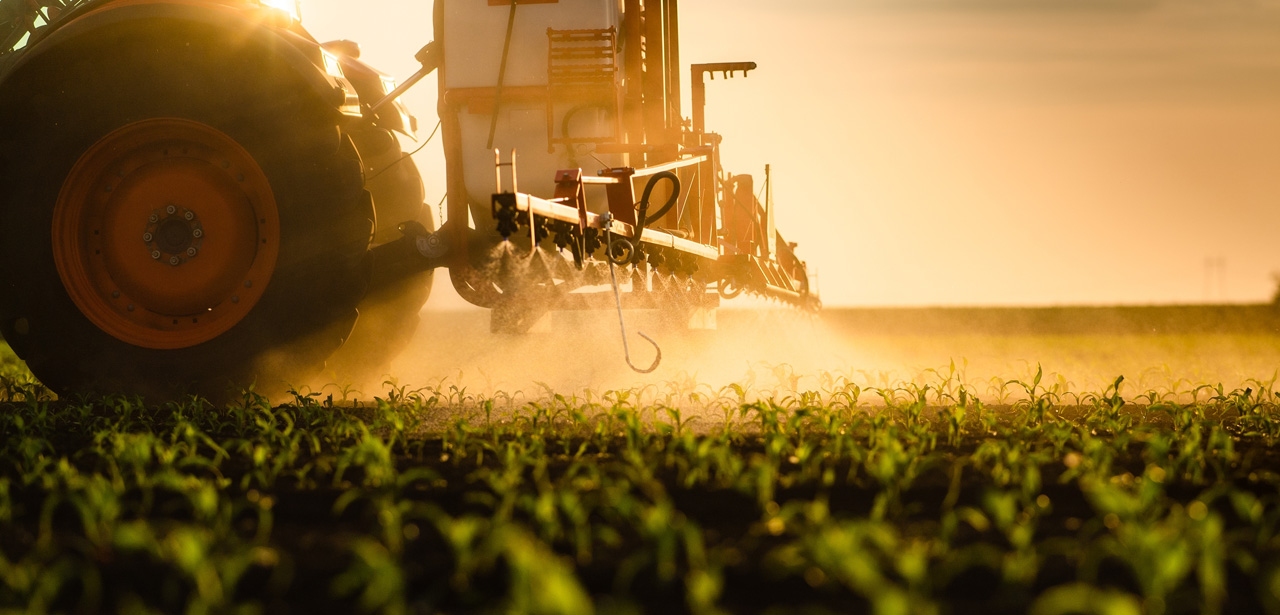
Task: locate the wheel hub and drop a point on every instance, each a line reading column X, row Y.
column 208, row 225
column 173, row 235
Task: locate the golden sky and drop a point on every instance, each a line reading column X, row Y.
column 979, row 152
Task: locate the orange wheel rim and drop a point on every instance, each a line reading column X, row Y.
column 166, row 233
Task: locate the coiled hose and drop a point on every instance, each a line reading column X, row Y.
column 642, row 210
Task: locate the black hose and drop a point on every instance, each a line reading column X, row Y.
column 564, row 129
column 643, row 218
column 568, row 116
column 502, row 74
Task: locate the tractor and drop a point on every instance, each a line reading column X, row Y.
column 197, row 194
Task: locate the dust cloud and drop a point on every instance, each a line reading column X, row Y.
column 775, row 352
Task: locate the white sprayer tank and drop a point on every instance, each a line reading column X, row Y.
column 475, row 32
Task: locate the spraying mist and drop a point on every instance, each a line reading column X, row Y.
column 773, row 352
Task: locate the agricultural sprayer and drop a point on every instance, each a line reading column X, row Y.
column 197, row 192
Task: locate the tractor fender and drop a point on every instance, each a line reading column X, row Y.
column 372, row 85
column 241, row 25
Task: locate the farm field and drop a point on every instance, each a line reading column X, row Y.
column 1088, row 460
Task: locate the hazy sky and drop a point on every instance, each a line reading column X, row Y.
column 974, row 152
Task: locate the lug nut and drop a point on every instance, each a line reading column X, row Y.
column 192, row 251
column 153, row 219
column 155, row 254
column 198, row 233
column 189, row 215
column 175, row 261
column 171, row 210
column 147, row 237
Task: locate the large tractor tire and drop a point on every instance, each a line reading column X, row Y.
column 399, row 286
column 179, row 214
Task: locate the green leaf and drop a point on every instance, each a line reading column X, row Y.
column 1084, row 599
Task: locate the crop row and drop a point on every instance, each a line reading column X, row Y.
column 928, row 500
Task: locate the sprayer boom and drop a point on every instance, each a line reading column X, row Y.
column 694, row 259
